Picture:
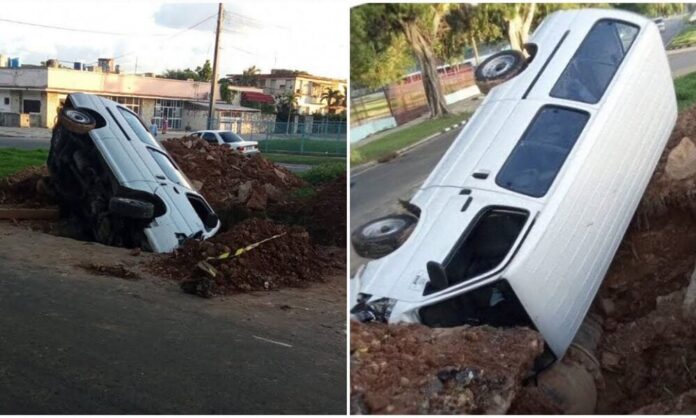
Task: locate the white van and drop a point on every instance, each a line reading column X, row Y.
column 521, row 218
column 108, row 172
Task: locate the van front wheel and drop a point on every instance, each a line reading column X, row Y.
column 499, row 68
column 382, row 236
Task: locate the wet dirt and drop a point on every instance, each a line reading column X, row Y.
column 648, row 349
column 112, row 270
column 227, row 179
column 413, row 369
column 24, row 189
column 286, row 258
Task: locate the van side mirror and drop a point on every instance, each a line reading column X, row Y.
column 438, row 275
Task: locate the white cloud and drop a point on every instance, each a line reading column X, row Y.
column 299, row 34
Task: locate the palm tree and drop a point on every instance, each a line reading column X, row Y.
column 333, row 98
column 250, row 76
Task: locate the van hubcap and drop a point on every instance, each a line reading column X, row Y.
column 498, row 66
column 383, row 227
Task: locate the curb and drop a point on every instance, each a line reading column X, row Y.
column 364, row 167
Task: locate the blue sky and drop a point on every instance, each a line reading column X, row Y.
column 310, row 35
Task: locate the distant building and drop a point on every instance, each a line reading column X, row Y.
column 309, row 87
column 40, row 91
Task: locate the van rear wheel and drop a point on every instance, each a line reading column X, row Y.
column 499, row 68
column 77, row 121
column 382, row 236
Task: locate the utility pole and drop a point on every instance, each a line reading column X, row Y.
column 213, row 80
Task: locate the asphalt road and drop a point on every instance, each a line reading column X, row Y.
column 78, row 344
column 375, row 192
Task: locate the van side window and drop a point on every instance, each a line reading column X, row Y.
column 539, row 155
column 138, row 127
column 595, row 62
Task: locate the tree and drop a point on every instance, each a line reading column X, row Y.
column 470, row 24
column 226, row 94
column 250, row 76
column 383, row 25
column 332, row 97
column 205, row 72
column 286, row 103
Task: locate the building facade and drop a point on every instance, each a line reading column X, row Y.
column 309, row 88
column 36, row 94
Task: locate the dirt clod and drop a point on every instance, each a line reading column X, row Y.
column 288, row 260
column 113, row 270
column 413, row 369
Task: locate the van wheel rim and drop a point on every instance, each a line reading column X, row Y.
column 76, row 116
column 498, row 65
column 383, row 227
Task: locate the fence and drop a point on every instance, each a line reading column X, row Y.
column 308, row 137
column 405, row 100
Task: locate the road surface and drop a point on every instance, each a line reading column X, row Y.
column 75, row 343
column 375, row 192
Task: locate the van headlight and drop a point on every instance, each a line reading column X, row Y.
column 377, row 310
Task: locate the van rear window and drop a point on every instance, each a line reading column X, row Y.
column 595, row 62
column 539, row 155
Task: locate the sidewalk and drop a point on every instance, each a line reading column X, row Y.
column 467, row 105
column 45, row 133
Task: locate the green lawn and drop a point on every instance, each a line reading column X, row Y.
column 13, row 160
column 390, row 143
column 303, row 146
column 685, row 38
column 685, row 87
column 302, row 159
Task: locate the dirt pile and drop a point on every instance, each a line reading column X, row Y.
column 413, row 369
column 24, row 188
column 680, row 405
column 227, row 179
column 648, row 349
column 285, row 258
column 323, row 214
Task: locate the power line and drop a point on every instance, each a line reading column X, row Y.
column 63, row 28
column 168, row 38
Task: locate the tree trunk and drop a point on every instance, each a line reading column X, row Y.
column 431, row 81
column 518, row 28
column 476, row 54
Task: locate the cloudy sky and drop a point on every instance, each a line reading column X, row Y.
column 299, row 34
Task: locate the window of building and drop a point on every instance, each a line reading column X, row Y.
column 594, row 64
column 132, row 103
column 539, row 155
column 169, row 109
column 31, row 106
column 6, row 100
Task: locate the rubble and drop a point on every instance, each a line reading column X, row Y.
column 289, row 260
column 413, row 369
column 228, row 179
column 323, row 214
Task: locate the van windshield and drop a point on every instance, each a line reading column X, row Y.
column 539, row 155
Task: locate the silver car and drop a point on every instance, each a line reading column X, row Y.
column 118, row 182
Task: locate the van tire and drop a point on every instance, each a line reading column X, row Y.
column 382, row 236
column 77, row 121
column 499, row 68
column 131, row 208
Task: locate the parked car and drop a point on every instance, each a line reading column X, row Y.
column 519, row 221
column 110, row 174
column 660, row 22
column 229, row 139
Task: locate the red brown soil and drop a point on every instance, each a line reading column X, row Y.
column 112, row 270
column 22, row 189
column 681, row 405
column 288, row 261
column 322, row 214
column 413, row 369
column 227, row 179
column 652, row 347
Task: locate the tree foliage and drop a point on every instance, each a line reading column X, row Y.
column 333, row 98
column 201, row 73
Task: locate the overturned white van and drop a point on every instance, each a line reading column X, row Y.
column 519, row 221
